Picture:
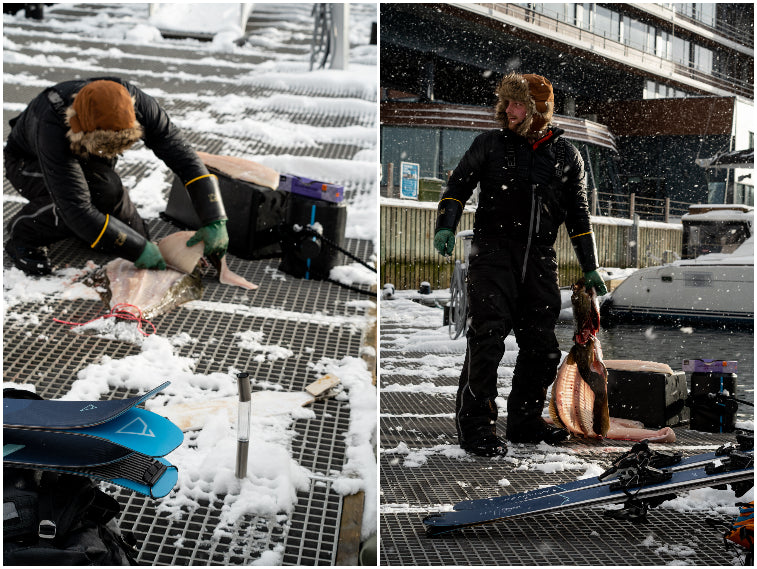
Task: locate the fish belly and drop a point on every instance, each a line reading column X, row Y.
column 573, row 400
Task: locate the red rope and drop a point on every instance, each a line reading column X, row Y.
column 119, row 311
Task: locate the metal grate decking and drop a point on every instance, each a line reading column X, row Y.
column 418, row 479
column 317, row 319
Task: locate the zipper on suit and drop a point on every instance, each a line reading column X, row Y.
column 534, row 214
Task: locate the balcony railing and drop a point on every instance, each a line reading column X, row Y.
column 625, row 52
column 722, row 28
column 627, row 206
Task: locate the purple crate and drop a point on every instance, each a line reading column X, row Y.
column 313, row 189
column 709, row 366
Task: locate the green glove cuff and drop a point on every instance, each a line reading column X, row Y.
column 593, row 279
column 150, row 258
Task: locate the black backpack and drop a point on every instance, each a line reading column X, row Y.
column 52, row 518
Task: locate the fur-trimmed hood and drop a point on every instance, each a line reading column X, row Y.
column 536, row 93
column 104, row 143
column 101, row 120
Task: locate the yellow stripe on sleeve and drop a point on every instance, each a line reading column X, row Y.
column 107, row 219
column 458, row 201
column 199, row 178
column 580, row 234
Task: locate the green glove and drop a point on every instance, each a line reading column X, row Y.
column 444, row 241
column 592, row 279
column 150, row 258
column 215, row 237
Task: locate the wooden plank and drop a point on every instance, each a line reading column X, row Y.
column 350, row 528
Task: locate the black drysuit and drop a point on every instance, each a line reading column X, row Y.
column 526, row 192
column 84, row 197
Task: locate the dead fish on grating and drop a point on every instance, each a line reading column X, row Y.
column 156, row 292
column 579, row 394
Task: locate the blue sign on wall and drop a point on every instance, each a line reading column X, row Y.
column 409, row 176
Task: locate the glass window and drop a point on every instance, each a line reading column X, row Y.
column 662, row 44
column 685, row 8
column 680, row 51
column 586, row 22
column 455, row 143
column 705, row 13
column 703, row 58
column 603, row 23
column 649, row 90
column 638, row 37
column 408, row 144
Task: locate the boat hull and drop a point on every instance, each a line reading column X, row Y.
column 711, row 295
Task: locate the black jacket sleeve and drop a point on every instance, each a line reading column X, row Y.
column 461, row 184
column 68, row 188
column 168, row 143
column 578, row 219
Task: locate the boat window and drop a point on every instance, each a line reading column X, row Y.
column 715, row 238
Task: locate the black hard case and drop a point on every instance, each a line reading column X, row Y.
column 652, row 396
column 255, row 215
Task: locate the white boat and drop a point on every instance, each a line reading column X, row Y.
column 715, row 288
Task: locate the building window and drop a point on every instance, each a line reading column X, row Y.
column 606, row 23
column 663, row 45
column 408, row 144
column 705, row 13
column 455, row 143
column 638, row 35
column 703, row 59
column 681, row 51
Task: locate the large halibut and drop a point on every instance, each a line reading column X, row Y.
column 579, row 394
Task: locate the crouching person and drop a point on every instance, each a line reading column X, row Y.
column 61, row 156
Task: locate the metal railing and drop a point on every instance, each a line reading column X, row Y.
column 632, row 55
column 626, row 206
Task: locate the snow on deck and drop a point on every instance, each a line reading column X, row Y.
column 259, row 101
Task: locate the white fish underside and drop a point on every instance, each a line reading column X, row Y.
column 156, row 292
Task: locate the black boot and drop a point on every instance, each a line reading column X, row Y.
column 535, row 432
column 488, row 445
column 32, row 260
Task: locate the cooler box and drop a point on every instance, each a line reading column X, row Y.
column 307, row 256
column 312, row 189
column 255, row 214
column 649, row 392
column 713, row 385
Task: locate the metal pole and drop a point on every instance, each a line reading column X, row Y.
column 341, row 35
column 390, row 180
column 631, row 205
column 243, row 423
column 667, row 210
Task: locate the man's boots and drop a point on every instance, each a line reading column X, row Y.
column 524, row 422
column 32, row 260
